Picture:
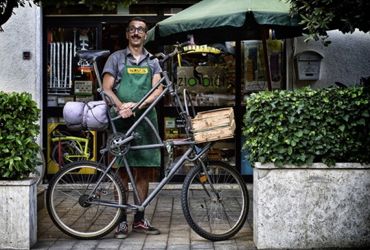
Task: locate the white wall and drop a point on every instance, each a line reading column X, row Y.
column 22, row 32
column 346, row 59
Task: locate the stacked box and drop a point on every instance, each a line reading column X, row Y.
column 213, row 125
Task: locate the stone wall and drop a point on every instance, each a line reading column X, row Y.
column 345, row 60
column 18, row 214
column 314, row 207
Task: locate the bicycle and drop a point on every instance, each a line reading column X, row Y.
column 214, row 196
column 68, row 148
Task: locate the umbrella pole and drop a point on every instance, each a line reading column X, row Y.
column 267, row 61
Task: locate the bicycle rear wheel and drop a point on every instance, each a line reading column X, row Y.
column 73, row 212
column 215, row 206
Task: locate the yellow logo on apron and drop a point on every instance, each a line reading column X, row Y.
column 141, row 71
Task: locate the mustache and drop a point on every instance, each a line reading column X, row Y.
column 136, row 36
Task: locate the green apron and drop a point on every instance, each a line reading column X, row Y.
column 136, row 82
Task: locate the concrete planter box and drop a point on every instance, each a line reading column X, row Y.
column 18, row 214
column 311, row 207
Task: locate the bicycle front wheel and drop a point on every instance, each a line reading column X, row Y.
column 215, row 203
column 75, row 202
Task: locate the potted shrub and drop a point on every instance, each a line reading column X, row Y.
column 310, row 149
column 18, row 207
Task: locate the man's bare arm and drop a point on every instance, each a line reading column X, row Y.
column 108, row 83
column 156, row 92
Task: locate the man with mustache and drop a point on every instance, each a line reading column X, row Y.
column 127, row 76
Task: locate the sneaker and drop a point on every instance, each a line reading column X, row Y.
column 121, row 231
column 143, row 226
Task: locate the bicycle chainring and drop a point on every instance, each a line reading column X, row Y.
column 115, row 147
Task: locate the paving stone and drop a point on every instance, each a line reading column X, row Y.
column 109, row 244
column 43, row 244
column 178, row 247
column 130, row 247
column 63, row 244
column 178, row 240
column 85, row 244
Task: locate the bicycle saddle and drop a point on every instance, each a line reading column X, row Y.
column 92, row 54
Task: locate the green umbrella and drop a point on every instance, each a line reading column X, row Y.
column 211, row 21
column 227, row 20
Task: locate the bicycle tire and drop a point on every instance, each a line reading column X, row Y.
column 66, row 149
column 67, row 209
column 215, row 216
column 40, row 169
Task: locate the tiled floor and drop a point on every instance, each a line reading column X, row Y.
column 165, row 213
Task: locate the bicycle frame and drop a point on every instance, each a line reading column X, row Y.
column 80, row 141
column 193, row 153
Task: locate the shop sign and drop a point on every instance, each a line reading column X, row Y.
column 203, row 78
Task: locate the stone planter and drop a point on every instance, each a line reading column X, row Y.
column 18, row 214
column 311, row 207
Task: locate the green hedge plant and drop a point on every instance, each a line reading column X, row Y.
column 18, row 129
column 304, row 126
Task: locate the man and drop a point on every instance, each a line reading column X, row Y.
column 127, row 76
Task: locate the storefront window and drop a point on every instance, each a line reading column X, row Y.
column 254, row 69
column 64, row 69
column 208, row 73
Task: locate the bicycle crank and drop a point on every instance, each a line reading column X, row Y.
column 115, row 147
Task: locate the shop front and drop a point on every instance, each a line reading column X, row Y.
column 217, row 75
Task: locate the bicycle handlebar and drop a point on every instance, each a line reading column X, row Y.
column 163, row 57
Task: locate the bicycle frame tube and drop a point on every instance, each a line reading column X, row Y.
column 69, row 138
column 177, row 165
column 79, row 141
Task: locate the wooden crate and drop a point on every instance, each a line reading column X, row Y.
column 213, row 125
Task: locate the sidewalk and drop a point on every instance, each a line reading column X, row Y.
column 164, row 213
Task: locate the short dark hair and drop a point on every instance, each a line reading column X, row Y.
column 140, row 19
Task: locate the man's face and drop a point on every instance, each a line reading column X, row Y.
column 136, row 33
